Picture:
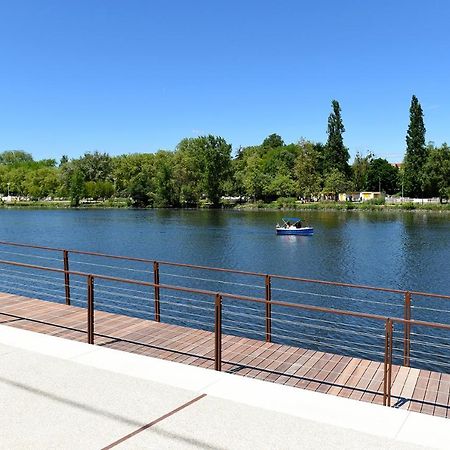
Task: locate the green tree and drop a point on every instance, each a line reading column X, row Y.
column 360, row 170
column 99, row 189
column 216, row 166
column 273, row 141
column 76, row 187
column 254, row 179
column 335, row 183
column 307, row 170
column 382, row 176
column 211, row 156
column 96, row 166
column 64, row 160
column 436, row 172
column 336, row 154
column 188, row 173
column 280, row 160
column 416, row 151
column 164, row 193
column 281, row 186
column 134, row 177
column 41, row 182
column 14, row 157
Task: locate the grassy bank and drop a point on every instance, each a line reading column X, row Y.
column 65, row 204
column 288, row 204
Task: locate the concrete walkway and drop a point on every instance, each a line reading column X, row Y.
column 62, row 394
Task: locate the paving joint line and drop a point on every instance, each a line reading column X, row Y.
column 154, row 422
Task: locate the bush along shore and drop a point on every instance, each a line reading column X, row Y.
column 345, row 206
column 282, row 204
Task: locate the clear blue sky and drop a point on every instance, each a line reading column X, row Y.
column 139, row 75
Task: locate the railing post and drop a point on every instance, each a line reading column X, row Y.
column 66, row 275
column 407, row 330
column 268, row 309
column 90, row 304
column 218, row 333
column 387, row 377
column 156, row 282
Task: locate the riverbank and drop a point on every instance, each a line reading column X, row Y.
column 344, row 206
column 278, row 205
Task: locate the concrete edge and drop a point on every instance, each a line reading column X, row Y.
column 395, row 424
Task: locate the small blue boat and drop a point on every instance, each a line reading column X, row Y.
column 294, row 226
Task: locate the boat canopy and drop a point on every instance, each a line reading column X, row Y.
column 291, row 219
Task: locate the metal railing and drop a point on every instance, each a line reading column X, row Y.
column 265, row 284
column 248, row 307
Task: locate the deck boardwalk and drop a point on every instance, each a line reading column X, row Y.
column 413, row 389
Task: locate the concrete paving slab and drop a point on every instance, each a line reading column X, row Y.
column 426, row 430
column 327, row 409
column 220, row 424
column 53, row 403
column 159, row 370
column 90, row 396
column 42, row 343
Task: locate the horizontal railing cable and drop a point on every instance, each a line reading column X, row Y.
column 130, row 269
column 122, row 308
column 292, row 338
column 431, row 344
column 426, row 308
column 313, row 319
column 415, row 351
column 428, row 361
column 321, row 327
column 122, row 295
column 338, row 297
column 444, row 338
column 37, row 275
column 200, row 308
column 17, row 285
column 119, row 302
column 212, row 280
column 31, row 255
column 21, row 289
column 120, row 289
column 35, row 278
column 206, row 324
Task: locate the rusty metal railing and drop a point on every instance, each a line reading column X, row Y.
column 217, row 300
column 266, row 284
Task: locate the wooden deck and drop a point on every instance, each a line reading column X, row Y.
column 413, row 389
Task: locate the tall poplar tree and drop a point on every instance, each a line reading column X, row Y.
column 416, row 151
column 336, row 154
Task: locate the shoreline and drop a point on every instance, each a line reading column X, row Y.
column 325, row 206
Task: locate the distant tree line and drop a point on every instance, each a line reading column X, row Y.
column 204, row 169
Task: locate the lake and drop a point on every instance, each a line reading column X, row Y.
column 401, row 250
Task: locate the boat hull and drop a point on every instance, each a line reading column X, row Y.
column 305, row 231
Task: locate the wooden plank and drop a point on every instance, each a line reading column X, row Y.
column 419, row 391
column 306, row 368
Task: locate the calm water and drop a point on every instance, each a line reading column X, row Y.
column 399, row 250
column 404, row 250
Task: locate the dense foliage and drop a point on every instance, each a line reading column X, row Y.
column 203, row 170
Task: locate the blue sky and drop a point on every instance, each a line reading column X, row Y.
column 127, row 76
